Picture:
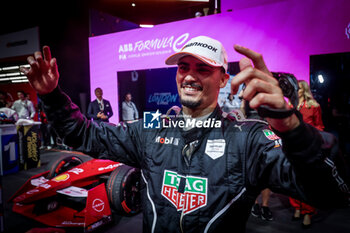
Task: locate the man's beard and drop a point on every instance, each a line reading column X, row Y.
column 190, row 103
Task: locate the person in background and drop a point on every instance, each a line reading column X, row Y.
column 198, row 14
column 311, row 112
column 100, row 109
column 24, row 107
column 308, row 106
column 4, row 103
column 48, row 135
column 262, row 210
column 129, row 110
column 230, row 103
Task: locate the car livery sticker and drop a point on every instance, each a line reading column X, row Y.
column 30, row 192
column 270, row 135
column 73, row 191
column 38, row 181
column 70, row 223
column 98, row 205
column 194, row 195
column 110, row 167
column 76, row 170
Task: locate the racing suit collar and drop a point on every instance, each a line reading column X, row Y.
column 198, row 133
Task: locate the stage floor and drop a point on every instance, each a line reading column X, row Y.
column 337, row 221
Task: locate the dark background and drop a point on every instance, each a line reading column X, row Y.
column 65, row 25
column 334, row 94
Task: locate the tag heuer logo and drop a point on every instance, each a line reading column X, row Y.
column 194, row 195
column 270, row 135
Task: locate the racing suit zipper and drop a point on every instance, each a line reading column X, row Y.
column 187, row 152
column 187, row 158
column 181, row 218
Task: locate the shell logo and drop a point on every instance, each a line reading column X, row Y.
column 62, row 177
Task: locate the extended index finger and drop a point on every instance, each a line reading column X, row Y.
column 47, row 53
column 256, row 58
column 244, row 63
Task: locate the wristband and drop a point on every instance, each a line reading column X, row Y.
column 265, row 111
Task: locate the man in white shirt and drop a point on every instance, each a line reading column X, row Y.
column 231, row 103
column 129, row 110
column 24, row 108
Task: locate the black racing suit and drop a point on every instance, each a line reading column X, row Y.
column 206, row 179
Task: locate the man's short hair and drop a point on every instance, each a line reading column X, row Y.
column 20, row 91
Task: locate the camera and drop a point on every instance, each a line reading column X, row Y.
column 289, row 86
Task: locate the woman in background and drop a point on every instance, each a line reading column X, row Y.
column 308, row 106
column 311, row 112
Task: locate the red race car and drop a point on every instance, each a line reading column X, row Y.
column 74, row 193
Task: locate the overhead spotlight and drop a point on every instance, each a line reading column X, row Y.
column 20, row 81
column 13, row 74
column 146, row 25
column 320, row 78
column 10, row 68
column 133, row 4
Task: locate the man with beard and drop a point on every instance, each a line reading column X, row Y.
column 199, row 178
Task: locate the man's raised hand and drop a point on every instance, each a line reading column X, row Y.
column 43, row 73
column 261, row 87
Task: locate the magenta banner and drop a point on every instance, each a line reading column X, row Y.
column 285, row 32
